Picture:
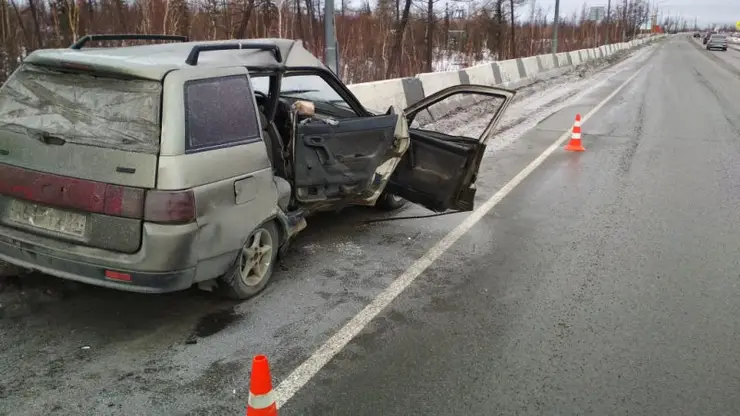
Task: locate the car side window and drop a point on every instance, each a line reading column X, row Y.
column 219, row 112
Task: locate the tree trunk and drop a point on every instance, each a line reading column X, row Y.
column 500, row 47
column 29, row 39
column 122, row 15
column 36, row 25
column 299, row 19
column 241, row 31
column 311, row 12
column 513, row 30
column 430, row 36
column 398, row 42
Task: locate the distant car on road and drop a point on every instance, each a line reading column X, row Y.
column 697, row 35
column 717, row 41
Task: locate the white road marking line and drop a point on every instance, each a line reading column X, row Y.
column 308, row 369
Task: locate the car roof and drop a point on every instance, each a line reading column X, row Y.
column 155, row 61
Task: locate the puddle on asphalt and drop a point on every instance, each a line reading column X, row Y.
column 213, row 323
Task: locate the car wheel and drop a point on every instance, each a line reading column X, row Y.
column 254, row 264
column 389, row 202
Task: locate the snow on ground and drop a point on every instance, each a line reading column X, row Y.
column 532, row 104
column 455, row 61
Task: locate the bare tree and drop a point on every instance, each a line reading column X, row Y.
column 398, row 43
column 392, row 39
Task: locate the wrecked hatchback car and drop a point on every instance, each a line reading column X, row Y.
column 151, row 168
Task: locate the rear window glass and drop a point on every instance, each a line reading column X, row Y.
column 220, row 112
column 718, row 37
column 82, row 108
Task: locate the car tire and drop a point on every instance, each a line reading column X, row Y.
column 260, row 250
column 389, row 202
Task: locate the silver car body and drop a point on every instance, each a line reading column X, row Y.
column 80, row 178
column 717, row 41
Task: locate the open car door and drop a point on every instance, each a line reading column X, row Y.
column 348, row 159
column 440, row 168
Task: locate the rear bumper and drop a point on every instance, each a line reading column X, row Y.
column 28, row 256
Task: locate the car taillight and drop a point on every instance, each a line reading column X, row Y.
column 123, row 201
column 71, row 193
column 169, row 206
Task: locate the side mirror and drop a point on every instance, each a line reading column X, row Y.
column 304, row 108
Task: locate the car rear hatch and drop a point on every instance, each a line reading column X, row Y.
column 718, row 40
column 78, row 150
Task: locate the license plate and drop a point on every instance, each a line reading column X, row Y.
column 46, row 218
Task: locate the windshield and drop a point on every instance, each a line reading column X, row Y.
column 81, row 108
column 309, row 87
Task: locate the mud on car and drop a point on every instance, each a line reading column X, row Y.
column 152, row 168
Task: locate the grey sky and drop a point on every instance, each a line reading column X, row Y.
column 705, row 11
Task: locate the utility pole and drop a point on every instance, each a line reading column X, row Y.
column 555, row 24
column 330, row 38
column 608, row 20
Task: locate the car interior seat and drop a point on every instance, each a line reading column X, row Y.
column 274, row 144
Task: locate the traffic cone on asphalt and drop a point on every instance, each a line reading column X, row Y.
column 575, row 139
column 261, row 397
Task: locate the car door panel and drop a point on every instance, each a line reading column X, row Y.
column 439, row 169
column 336, row 159
column 432, row 171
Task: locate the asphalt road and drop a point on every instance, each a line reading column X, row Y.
column 605, row 283
column 602, row 284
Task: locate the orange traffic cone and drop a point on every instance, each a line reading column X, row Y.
column 575, row 139
column 261, row 397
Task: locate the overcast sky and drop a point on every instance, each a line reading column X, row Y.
column 705, row 11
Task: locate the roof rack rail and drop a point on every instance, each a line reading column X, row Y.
column 197, row 49
column 129, row 36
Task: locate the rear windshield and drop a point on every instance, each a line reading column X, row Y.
column 81, row 108
column 718, row 37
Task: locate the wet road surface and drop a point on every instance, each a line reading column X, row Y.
column 494, row 304
column 606, row 283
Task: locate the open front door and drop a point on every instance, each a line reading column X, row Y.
column 347, row 159
column 449, row 131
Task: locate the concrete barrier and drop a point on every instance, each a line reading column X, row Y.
column 379, row 95
column 531, row 66
column 548, row 62
column 575, row 57
column 483, row 74
column 436, row 81
column 510, row 71
column 564, row 60
column 513, row 73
